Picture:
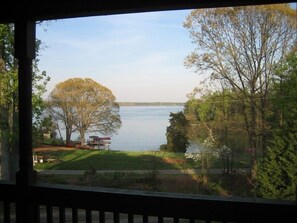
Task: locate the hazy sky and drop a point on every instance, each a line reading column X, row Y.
column 139, row 57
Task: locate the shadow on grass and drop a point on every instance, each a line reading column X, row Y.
column 113, row 160
column 92, row 160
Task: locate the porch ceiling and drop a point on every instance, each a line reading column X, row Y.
column 57, row 9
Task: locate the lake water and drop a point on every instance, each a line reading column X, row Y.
column 143, row 127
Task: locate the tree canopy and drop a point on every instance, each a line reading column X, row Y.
column 9, row 100
column 176, row 133
column 240, row 47
column 84, row 105
column 277, row 173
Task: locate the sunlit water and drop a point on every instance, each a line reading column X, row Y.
column 143, row 127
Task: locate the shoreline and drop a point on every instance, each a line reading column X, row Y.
column 151, row 103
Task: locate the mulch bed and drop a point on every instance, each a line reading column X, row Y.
column 46, row 148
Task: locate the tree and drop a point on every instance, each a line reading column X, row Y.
column 44, row 126
column 176, row 133
column 216, row 125
column 277, row 173
column 9, row 100
column 241, row 46
column 84, row 105
column 61, row 109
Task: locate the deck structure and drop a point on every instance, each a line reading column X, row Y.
column 29, row 201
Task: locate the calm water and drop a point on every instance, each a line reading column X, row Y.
column 143, row 127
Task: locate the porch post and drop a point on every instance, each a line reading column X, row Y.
column 25, row 53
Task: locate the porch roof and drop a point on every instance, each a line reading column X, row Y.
column 37, row 10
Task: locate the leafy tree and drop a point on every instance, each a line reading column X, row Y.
column 45, row 125
column 61, row 109
column 9, row 100
column 84, row 105
column 217, row 127
column 277, row 173
column 284, row 94
column 241, row 46
column 176, row 133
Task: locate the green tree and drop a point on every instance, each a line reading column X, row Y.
column 9, row 100
column 45, row 125
column 277, row 173
column 84, row 105
column 218, row 126
column 241, row 46
column 176, row 133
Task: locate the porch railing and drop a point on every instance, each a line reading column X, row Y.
column 65, row 203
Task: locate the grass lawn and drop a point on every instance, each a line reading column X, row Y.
column 89, row 160
column 114, row 160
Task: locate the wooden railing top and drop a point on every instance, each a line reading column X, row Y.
column 175, row 205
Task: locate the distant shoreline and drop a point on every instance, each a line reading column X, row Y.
column 151, row 103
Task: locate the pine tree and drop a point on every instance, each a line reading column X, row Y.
column 277, row 174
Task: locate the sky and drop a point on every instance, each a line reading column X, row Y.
column 139, row 57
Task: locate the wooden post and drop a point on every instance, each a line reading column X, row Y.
column 25, row 53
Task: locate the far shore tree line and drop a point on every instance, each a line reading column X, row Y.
column 247, row 103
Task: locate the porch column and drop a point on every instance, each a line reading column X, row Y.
column 25, row 52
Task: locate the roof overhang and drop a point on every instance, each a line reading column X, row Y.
column 38, row 10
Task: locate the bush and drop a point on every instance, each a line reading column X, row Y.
column 90, row 176
column 54, row 142
column 163, row 147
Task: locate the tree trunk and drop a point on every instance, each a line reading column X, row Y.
column 253, row 134
column 58, row 128
column 14, row 162
column 82, row 138
column 264, row 131
column 68, row 135
column 250, row 124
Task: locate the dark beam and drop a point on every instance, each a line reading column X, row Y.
column 57, row 9
column 25, row 53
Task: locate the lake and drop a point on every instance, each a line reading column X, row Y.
column 143, row 127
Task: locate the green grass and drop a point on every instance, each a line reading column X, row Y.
column 114, row 160
column 89, row 160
